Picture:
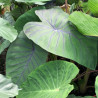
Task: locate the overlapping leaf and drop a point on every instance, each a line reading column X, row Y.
column 27, row 17
column 7, row 88
column 7, row 31
column 23, row 56
column 86, row 24
column 56, row 35
column 50, row 80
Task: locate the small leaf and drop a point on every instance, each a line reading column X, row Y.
column 7, row 31
column 22, row 57
column 50, row 80
column 86, row 24
column 7, row 88
column 58, row 36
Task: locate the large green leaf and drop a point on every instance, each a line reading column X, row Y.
column 7, row 31
column 26, row 17
column 96, row 86
column 22, row 57
column 50, row 80
column 56, row 35
column 39, row 2
column 73, row 96
column 93, row 6
column 86, row 24
column 7, row 88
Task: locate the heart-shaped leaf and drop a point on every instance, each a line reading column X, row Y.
column 7, row 31
column 7, row 88
column 56, row 35
column 50, row 80
column 86, row 24
column 22, row 57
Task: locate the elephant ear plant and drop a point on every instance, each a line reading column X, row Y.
column 50, row 50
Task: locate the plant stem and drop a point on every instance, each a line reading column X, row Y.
column 83, row 74
column 83, row 87
column 66, row 5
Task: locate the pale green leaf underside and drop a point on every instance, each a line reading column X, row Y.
column 96, row 86
column 7, row 31
column 22, row 57
column 86, row 24
column 56, row 35
column 73, row 96
column 39, row 2
column 7, row 88
column 50, row 80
